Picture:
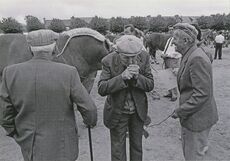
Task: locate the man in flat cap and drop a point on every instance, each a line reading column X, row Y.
column 126, row 77
column 197, row 107
column 36, row 103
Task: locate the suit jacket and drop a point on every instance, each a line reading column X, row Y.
column 115, row 88
column 37, row 99
column 197, row 107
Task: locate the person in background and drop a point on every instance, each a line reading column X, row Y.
column 125, row 78
column 200, row 42
column 37, row 103
column 219, row 41
column 171, row 60
column 197, row 109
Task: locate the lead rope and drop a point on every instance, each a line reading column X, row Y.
column 157, row 124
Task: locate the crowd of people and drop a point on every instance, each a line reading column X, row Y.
column 38, row 112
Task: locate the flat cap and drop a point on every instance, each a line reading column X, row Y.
column 41, row 37
column 129, row 45
column 188, row 29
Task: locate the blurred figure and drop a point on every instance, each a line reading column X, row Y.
column 197, row 109
column 37, row 103
column 171, row 60
column 219, row 41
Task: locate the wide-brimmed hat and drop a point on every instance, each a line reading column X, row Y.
column 41, row 37
column 129, row 45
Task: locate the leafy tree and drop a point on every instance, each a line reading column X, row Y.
column 139, row 22
column 117, row 24
column 10, row 25
column 158, row 24
column 57, row 25
column 204, row 22
column 227, row 22
column 170, row 21
column 33, row 23
column 99, row 24
column 217, row 22
column 77, row 23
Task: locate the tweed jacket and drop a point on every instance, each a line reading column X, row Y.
column 37, row 99
column 115, row 88
column 197, row 107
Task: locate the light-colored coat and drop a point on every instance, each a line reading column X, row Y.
column 37, row 109
column 197, row 107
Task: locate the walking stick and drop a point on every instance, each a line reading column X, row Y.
column 90, row 144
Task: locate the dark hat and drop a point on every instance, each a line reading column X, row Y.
column 188, row 29
column 129, row 45
column 41, row 37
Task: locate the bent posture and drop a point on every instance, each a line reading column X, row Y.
column 125, row 77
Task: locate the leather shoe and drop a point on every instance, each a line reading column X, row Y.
column 168, row 95
column 173, row 99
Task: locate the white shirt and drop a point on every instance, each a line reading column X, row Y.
column 169, row 50
column 219, row 39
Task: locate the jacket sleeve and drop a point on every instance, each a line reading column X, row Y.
column 201, row 84
column 108, row 85
column 84, row 103
column 145, row 80
column 7, row 110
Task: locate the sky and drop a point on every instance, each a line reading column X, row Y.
column 64, row 9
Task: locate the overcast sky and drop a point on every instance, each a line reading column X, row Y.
column 64, row 9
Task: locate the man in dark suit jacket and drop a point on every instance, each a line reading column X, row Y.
column 36, row 103
column 197, row 107
column 126, row 76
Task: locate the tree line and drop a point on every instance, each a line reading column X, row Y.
column 115, row 24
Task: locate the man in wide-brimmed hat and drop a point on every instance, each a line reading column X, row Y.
column 36, row 103
column 197, row 109
column 126, row 76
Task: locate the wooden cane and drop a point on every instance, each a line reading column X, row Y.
column 90, row 144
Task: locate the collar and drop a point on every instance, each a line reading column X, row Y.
column 42, row 57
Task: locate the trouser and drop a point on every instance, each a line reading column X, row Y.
column 194, row 144
column 218, row 51
column 134, row 124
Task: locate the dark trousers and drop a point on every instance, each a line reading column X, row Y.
column 134, row 124
column 218, row 50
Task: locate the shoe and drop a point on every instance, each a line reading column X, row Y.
column 204, row 151
column 173, row 99
column 168, row 95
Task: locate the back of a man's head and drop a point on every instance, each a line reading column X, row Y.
column 42, row 40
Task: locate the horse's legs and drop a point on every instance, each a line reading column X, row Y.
column 88, row 81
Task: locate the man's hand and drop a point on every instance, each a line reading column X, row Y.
column 126, row 75
column 134, row 70
column 174, row 115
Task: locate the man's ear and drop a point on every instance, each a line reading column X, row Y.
column 185, row 40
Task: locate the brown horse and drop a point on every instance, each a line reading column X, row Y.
column 83, row 52
column 155, row 41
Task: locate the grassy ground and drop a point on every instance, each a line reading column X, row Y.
column 163, row 143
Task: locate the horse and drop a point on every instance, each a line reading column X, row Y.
column 155, row 41
column 82, row 48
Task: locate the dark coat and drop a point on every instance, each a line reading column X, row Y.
column 197, row 110
column 37, row 109
column 115, row 88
